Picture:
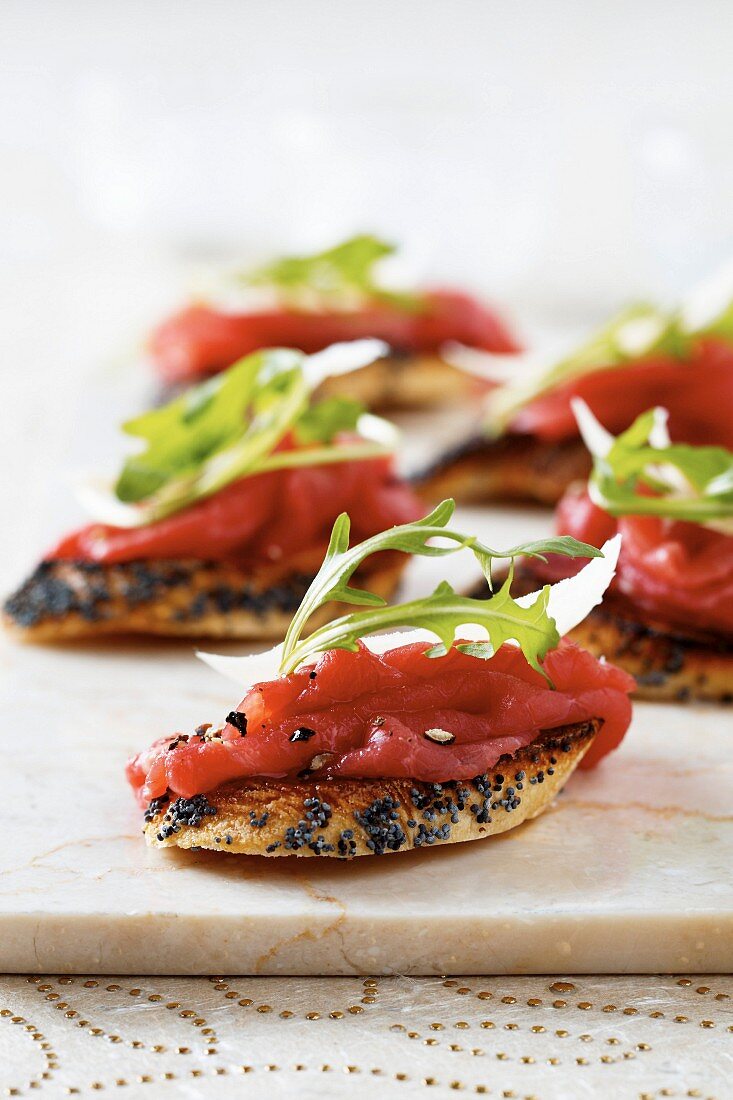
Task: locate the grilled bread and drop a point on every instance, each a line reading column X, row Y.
column 64, row 600
column 513, row 468
column 403, row 382
column 344, row 818
column 666, row 666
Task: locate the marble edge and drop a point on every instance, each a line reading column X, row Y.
column 334, row 945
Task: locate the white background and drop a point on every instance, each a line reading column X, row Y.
column 561, row 156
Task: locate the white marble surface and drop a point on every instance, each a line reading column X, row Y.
column 629, row 871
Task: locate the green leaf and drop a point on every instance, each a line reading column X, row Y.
column 441, row 612
column 720, row 326
column 321, row 422
column 444, row 613
column 230, row 426
column 339, row 541
column 538, row 548
column 245, row 401
column 676, row 481
column 337, row 275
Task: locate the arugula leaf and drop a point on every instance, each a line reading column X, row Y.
column 183, row 434
column 339, row 275
column 722, row 325
column 442, row 612
column 634, row 475
column 325, row 419
column 230, row 426
column 565, row 545
column 639, row 330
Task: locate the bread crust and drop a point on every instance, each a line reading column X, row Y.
column 666, row 666
column 68, row 600
column 345, row 818
column 512, row 468
column 403, row 382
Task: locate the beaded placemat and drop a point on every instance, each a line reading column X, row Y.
column 635, row 1037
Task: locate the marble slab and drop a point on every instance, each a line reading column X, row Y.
column 629, row 871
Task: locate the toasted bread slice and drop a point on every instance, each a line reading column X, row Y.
column 667, row 665
column 513, row 468
column 350, row 817
column 403, row 382
column 64, row 600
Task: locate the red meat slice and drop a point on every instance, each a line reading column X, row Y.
column 201, row 340
column 372, row 712
column 698, row 392
column 262, row 518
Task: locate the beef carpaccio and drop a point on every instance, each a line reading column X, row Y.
column 399, row 714
column 697, row 391
column 258, row 519
column 201, row 339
